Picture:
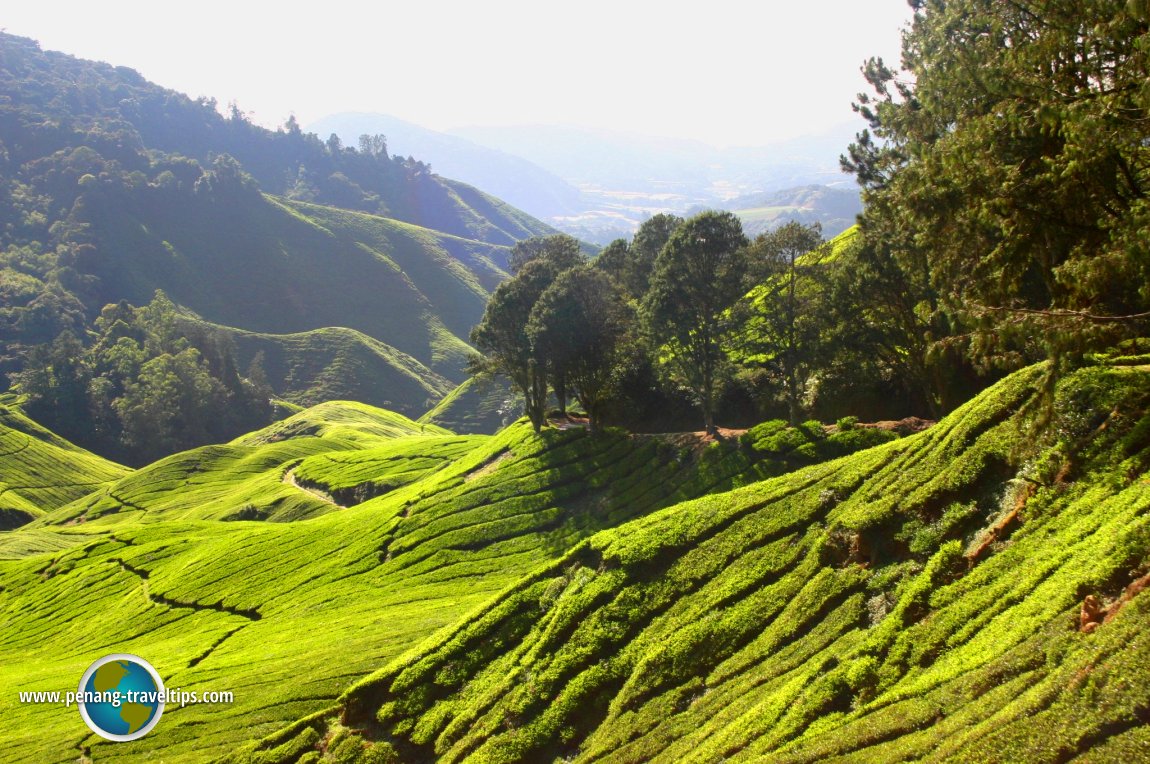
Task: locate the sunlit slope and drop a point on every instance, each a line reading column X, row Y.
column 347, row 420
column 337, row 363
column 40, row 471
column 919, row 600
column 267, row 265
column 476, row 406
column 253, row 478
column 287, row 615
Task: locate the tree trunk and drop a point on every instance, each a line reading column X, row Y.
column 793, row 411
column 560, row 385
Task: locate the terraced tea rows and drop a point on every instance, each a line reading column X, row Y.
column 920, row 600
column 288, row 614
column 41, row 471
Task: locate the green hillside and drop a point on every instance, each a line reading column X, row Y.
column 55, row 101
column 835, row 209
column 358, row 274
column 265, row 265
column 919, row 600
column 476, row 406
column 251, row 479
column 396, row 531
column 42, row 471
column 336, row 363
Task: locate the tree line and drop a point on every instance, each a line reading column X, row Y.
column 146, row 385
column 689, row 308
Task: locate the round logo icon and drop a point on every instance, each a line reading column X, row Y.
column 121, row 697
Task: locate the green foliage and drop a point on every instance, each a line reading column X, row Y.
column 796, row 620
column 783, row 317
column 502, row 335
column 582, row 326
column 142, row 390
column 697, row 276
column 632, row 264
column 560, row 251
column 809, row 443
column 1009, row 180
column 316, row 548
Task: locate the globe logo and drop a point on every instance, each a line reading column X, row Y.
column 121, row 697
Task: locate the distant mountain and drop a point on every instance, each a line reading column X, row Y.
column 627, row 178
column 512, row 178
column 607, row 158
column 834, row 208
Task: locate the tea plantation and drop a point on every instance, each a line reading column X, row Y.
column 921, row 600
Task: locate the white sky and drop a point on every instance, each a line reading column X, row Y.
column 744, row 72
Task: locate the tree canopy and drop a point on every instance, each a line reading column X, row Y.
column 502, row 336
column 1011, row 168
column 582, row 325
column 698, row 275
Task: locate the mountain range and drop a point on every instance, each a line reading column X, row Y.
column 599, row 185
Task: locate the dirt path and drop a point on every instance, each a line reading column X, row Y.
column 324, row 496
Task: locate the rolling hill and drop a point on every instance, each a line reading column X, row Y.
column 272, row 266
column 288, row 564
column 42, row 471
column 356, row 273
column 920, row 600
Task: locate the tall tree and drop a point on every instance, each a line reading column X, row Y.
column 582, row 323
column 698, row 276
column 560, row 250
column 782, row 316
column 649, row 240
column 502, row 336
column 1013, row 167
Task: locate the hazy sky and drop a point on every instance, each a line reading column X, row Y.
column 747, row 72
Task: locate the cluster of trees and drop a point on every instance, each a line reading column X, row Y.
column 691, row 305
column 145, row 385
column 1006, row 174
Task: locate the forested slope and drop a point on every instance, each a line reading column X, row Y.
column 112, row 187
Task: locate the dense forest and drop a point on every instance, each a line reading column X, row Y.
column 1004, row 177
